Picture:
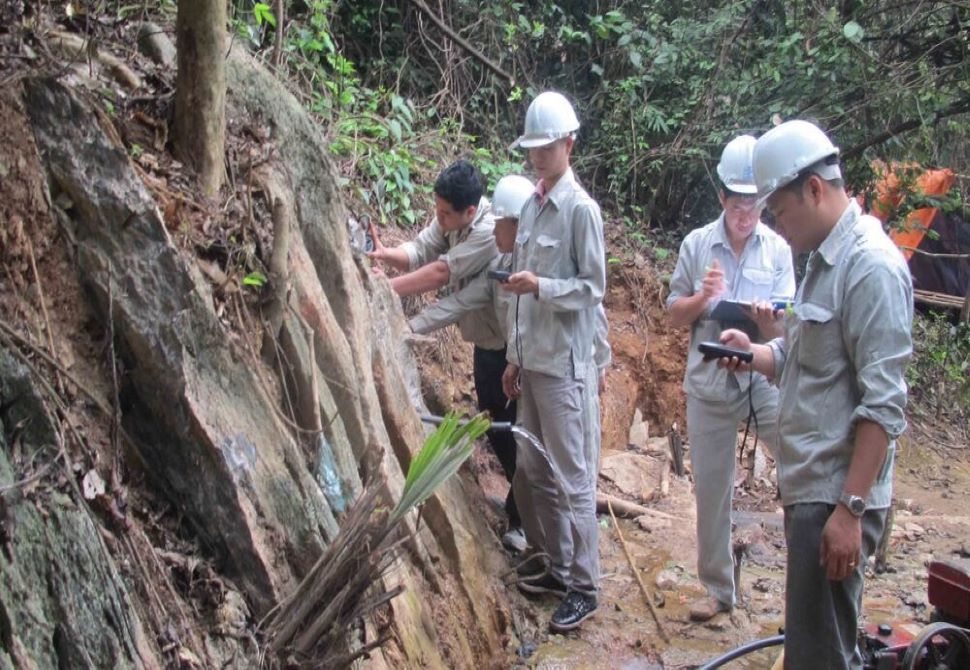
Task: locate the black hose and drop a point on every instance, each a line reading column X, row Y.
column 744, row 650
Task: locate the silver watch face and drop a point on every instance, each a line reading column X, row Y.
column 857, row 505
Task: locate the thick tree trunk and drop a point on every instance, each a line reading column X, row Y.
column 200, row 90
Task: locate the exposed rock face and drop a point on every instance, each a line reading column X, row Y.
column 62, row 603
column 263, row 499
column 215, row 444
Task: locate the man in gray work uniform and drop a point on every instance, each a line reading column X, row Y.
column 841, row 373
column 739, row 258
column 559, row 280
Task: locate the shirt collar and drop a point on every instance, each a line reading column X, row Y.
column 566, row 181
column 830, row 246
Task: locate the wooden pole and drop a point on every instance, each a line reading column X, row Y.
column 636, row 575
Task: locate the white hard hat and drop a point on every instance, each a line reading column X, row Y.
column 785, row 151
column 550, row 117
column 735, row 168
column 510, row 195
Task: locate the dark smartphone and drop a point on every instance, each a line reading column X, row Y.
column 499, row 275
column 712, row 350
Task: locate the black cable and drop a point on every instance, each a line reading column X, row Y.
column 744, row 650
column 751, row 415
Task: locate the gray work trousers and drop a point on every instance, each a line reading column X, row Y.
column 556, row 490
column 821, row 616
column 712, row 427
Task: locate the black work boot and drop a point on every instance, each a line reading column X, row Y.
column 544, row 583
column 572, row 611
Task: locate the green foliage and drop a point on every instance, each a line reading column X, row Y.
column 263, row 14
column 249, row 20
column 660, row 87
column 442, row 454
column 390, row 148
column 939, row 374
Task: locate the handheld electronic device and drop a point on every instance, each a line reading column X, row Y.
column 712, row 350
column 499, row 275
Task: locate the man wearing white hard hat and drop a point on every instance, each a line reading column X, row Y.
column 485, row 295
column 841, row 373
column 559, row 278
column 735, row 257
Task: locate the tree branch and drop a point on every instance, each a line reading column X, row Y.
column 460, row 41
column 958, row 107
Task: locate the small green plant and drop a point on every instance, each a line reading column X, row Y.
column 263, row 14
column 442, row 454
column 255, row 280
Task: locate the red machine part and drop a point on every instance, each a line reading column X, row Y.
column 949, row 589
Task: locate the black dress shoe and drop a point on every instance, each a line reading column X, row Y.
column 572, row 611
column 544, row 583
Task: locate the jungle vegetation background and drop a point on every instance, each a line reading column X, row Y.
column 404, row 87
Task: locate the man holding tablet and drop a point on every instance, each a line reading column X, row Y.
column 735, row 258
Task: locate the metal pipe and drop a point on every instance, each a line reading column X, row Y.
column 501, row 426
column 744, row 650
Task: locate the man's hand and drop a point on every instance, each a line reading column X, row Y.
column 510, row 381
column 380, row 251
column 522, row 283
column 713, row 283
column 735, row 339
column 769, row 320
column 841, row 547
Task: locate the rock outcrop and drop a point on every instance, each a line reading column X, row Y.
column 263, row 497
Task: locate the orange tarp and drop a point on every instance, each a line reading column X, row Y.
column 888, row 198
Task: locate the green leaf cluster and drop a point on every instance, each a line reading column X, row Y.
column 445, row 450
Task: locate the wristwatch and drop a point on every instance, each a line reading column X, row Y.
column 855, row 504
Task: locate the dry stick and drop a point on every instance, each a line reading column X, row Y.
column 636, row 574
column 278, row 40
column 98, row 402
column 664, row 475
column 70, row 42
column 34, row 477
column 155, row 184
column 460, row 41
column 116, row 414
column 938, row 299
column 624, row 507
column 263, row 384
column 278, row 271
column 43, row 308
column 933, row 254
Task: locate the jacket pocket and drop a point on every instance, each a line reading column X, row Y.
column 758, row 283
column 546, row 255
column 819, row 337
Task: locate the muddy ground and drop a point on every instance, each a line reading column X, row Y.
column 931, row 518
